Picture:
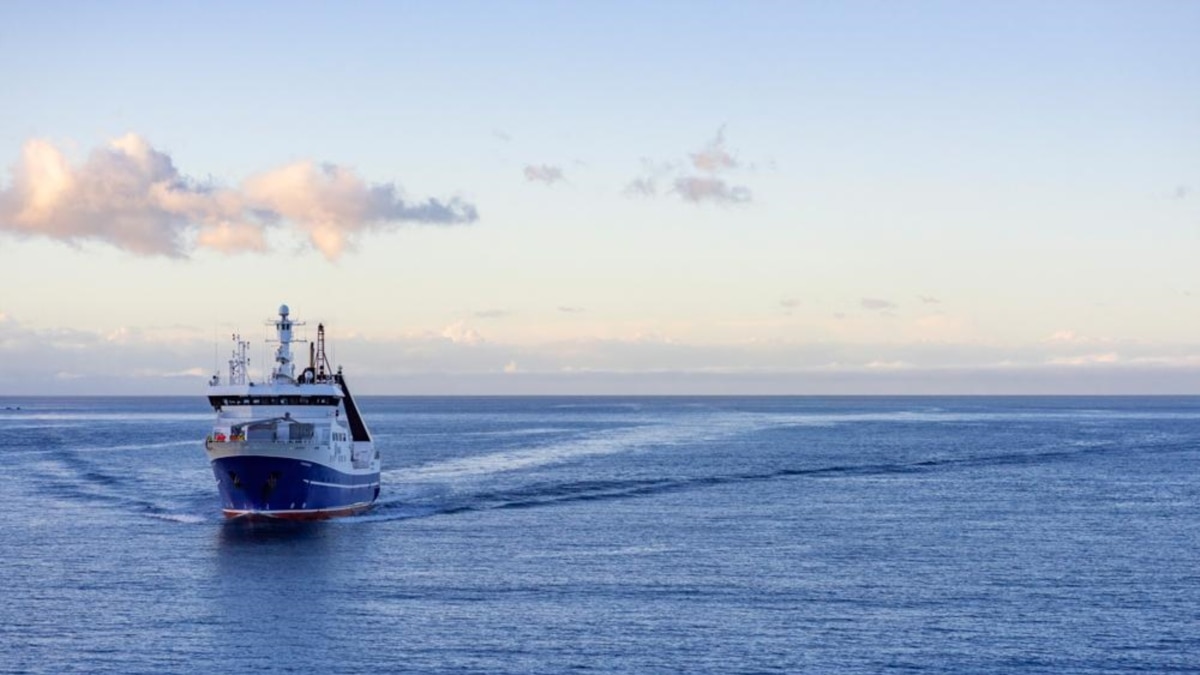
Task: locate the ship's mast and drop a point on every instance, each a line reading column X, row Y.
column 321, row 361
column 285, row 367
column 239, row 364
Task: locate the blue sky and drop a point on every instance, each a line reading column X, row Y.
column 687, row 197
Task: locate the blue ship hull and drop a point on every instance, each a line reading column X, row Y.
column 279, row 487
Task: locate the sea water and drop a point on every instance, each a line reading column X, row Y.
column 629, row 535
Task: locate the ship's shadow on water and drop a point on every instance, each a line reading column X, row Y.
column 254, row 559
column 240, row 532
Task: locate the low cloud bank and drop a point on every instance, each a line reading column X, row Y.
column 459, row 359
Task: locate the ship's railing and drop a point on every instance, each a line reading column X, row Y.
column 237, row 438
column 221, row 437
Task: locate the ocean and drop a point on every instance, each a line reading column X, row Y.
column 620, row 535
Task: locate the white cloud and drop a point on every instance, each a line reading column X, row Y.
column 1062, row 336
column 1070, row 337
column 130, row 195
column 887, row 365
column 460, row 333
column 1085, row 359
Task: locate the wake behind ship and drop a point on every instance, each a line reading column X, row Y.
column 294, row 447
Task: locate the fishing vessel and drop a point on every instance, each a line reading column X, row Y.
column 293, row 447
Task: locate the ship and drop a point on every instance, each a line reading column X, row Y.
column 294, row 447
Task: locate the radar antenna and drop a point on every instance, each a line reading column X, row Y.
column 285, row 368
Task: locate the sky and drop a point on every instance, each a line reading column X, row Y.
column 765, row 197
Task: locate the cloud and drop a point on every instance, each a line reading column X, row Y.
column 457, row 359
column 233, row 237
column 713, row 157
column 1085, row 359
column 332, row 204
column 83, row 361
column 876, row 304
column 460, row 334
column 492, row 313
column 543, row 174
column 570, row 310
column 1069, row 348
column 706, row 186
column 1070, row 337
column 789, row 303
column 886, row 365
column 641, row 187
column 1063, row 336
column 127, row 194
column 928, row 300
column 698, row 189
column 131, row 196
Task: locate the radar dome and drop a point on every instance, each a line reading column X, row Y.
column 283, row 310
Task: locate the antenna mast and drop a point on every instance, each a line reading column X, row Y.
column 239, row 363
column 321, row 361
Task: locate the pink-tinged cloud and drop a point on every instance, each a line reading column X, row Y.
column 230, row 237
column 714, row 157
column 543, row 173
column 706, row 186
column 131, row 196
column 127, row 194
column 699, row 189
column 332, row 204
